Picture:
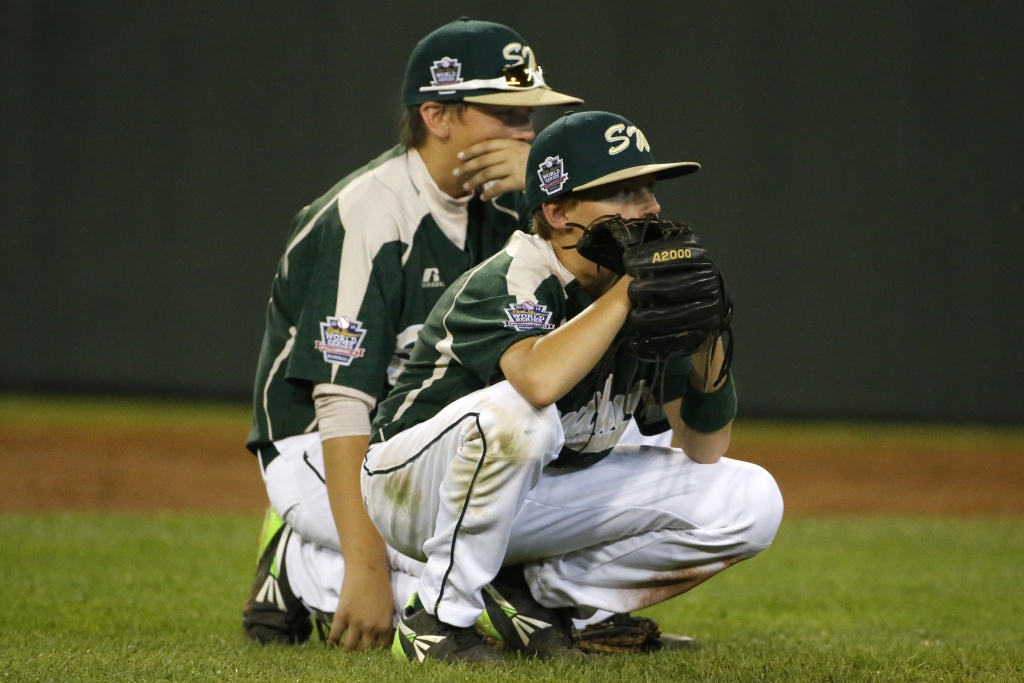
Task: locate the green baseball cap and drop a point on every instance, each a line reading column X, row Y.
column 587, row 149
column 477, row 61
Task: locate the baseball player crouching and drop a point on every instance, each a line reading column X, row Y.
column 496, row 458
column 363, row 267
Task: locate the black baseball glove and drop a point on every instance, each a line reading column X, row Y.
column 678, row 295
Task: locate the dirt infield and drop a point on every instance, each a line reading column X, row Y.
column 820, row 471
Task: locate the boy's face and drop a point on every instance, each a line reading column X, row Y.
column 481, row 122
column 630, row 198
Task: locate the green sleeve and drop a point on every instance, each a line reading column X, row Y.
column 486, row 320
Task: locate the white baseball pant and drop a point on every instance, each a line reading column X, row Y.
column 469, row 491
column 314, row 556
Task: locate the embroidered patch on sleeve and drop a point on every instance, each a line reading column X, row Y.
column 528, row 316
column 340, row 340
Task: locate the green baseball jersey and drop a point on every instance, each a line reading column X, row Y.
column 519, row 292
column 363, row 267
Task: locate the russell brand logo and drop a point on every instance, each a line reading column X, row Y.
column 432, row 278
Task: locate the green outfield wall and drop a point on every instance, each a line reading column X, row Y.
column 862, row 183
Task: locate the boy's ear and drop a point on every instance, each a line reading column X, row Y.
column 554, row 214
column 435, row 120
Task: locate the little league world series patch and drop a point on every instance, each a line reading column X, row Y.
column 528, row 316
column 446, row 71
column 340, row 340
column 552, row 174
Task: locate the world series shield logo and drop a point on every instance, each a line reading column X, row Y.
column 528, row 316
column 340, row 340
column 446, row 71
column 552, row 174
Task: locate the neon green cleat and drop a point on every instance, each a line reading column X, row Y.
column 514, row 617
column 421, row 636
column 273, row 614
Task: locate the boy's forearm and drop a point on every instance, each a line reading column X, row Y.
column 545, row 368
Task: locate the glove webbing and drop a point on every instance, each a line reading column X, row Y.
column 726, row 362
column 647, row 218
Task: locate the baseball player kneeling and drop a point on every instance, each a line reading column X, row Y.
column 496, row 458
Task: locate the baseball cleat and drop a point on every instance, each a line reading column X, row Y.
column 512, row 616
column 323, row 622
column 421, row 636
column 273, row 614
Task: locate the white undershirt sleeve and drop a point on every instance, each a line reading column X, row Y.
column 342, row 411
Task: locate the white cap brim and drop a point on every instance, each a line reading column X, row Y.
column 534, row 97
column 659, row 171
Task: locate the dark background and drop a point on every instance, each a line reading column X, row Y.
column 862, row 187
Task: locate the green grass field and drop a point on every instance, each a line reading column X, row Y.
column 157, row 597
